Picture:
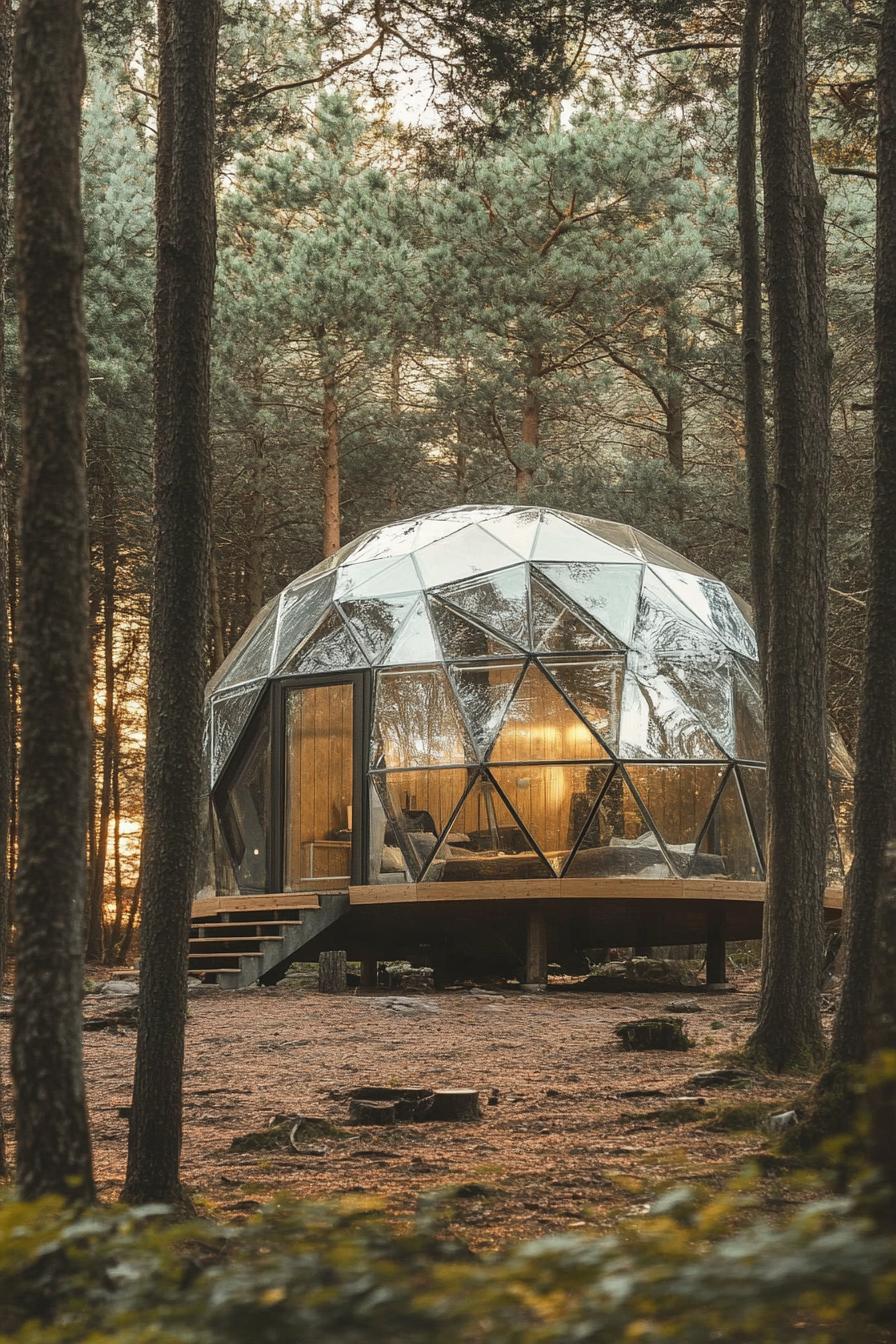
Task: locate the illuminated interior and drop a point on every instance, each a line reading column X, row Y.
column 495, row 694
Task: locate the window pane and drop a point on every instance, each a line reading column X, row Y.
column 595, row 688
column 553, row 802
column 230, row 714
column 500, row 602
column 678, row 799
column 609, row 593
column 753, row 780
column 655, row 722
column 417, row 721
column 415, row 641
column 418, row 805
column 484, row 691
column 618, row 841
column 728, row 837
column 251, row 655
column 486, row 842
column 245, row 811
column 461, row 638
column 375, row 621
column 299, row 614
column 540, row 726
column 332, row 648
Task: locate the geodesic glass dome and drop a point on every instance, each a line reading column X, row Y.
column 499, row 693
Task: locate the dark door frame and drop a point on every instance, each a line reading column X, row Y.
column 362, row 685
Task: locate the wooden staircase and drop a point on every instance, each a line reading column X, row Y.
column 234, row 947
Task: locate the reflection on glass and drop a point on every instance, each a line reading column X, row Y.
column 332, row 648
column 595, row 688
column 540, row 726
column 460, row 556
column 244, row 810
column 500, row 602
column 417, row 721
column 665, row 625
column 516, row 530
column 461, row 638
column 553, row 802
column 618, row 840
column 230, row 714
column 374, row 621
column 486, row 842
column 749, row 727
column 300, row 612
column 609, row 593
column 655, row 722
column 251, row 655
column 318, row 783
column 703, row 680
column 484, row 691
column 728, row 837
column 561, row 540
column 678, row 799
column 712, row 603
column 415, row 641
column 386, row 862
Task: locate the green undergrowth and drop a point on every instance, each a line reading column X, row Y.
column 695, row 1267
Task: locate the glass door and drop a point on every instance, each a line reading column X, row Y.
column 318, row 783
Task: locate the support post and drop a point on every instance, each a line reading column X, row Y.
column 369, row 965
column 536, row 951
column 331, row 977
column 642, row 950
column 716, row 954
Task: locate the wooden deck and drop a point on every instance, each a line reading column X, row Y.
column 573, row 888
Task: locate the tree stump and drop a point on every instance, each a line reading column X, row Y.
column 369, row 966
column 364, row 1112
column 460, row 1103
column 654, row 1033
column 331, row 975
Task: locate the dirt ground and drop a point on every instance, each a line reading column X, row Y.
column 579, row 1130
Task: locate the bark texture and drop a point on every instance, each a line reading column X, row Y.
column 875, row 783
column 185, row 239
column 52, row 1137
column 788, row 1030
column 6, row 733
column 882, row 1073
column 330, row 465
column 751, row 326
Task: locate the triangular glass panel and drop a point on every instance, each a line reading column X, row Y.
column 415, row 641
column 484, row 691
column 460, row 556
column 250, row 657
column 553, row 802
column 244, row 811
column 665, row 625
column 376, row 620
column 461, row 638
column 595, row 688
column 754, row 784
column 655, row 723
column 558, row 629
column 516, row 529
column 617, row 534
column 678, row 799
column 396, row 577
column 727, row 848
column 609, row 593
column 703, row 681
column 419, row 805
column 749, row 730
column 500, row 602
column 207, row 746
column 712, row 603
column 230, row 714
column 540, row 726
column 655, row 553
column 417, row 722
column 618, row 840
column 561, row 540
column 351, row 576
column 300, row 611
column 486, row 842
column 402, row 538
column 331, row 648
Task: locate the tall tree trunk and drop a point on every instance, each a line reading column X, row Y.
column 6, row 730
column 113, row 942
column 751, row 326
column 875, row 783
column 52, row 1136
column 185, row 236
column 674, row 398
column 109, row 548
column 255, row 523
column 216, row 623
column 788, row 1030
column 330, row 465
column 881, row 1095
column 524, row 467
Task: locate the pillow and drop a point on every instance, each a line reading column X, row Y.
column 392, row 860
column 645, row 841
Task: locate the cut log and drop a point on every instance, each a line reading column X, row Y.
column 411, row 1103
column 654, row 1033
column 362, row 1112
column 331, row 973
column 460, row 1103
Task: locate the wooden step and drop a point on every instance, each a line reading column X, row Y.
column 254, row 924
column 217, row 970
column 203, row 942
column 212, row 956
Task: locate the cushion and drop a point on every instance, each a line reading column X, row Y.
column 392, row 860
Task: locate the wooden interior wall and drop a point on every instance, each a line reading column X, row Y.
column 318, row 778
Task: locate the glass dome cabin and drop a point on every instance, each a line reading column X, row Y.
column 500, row 697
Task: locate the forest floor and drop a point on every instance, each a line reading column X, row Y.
column 580, row 1131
